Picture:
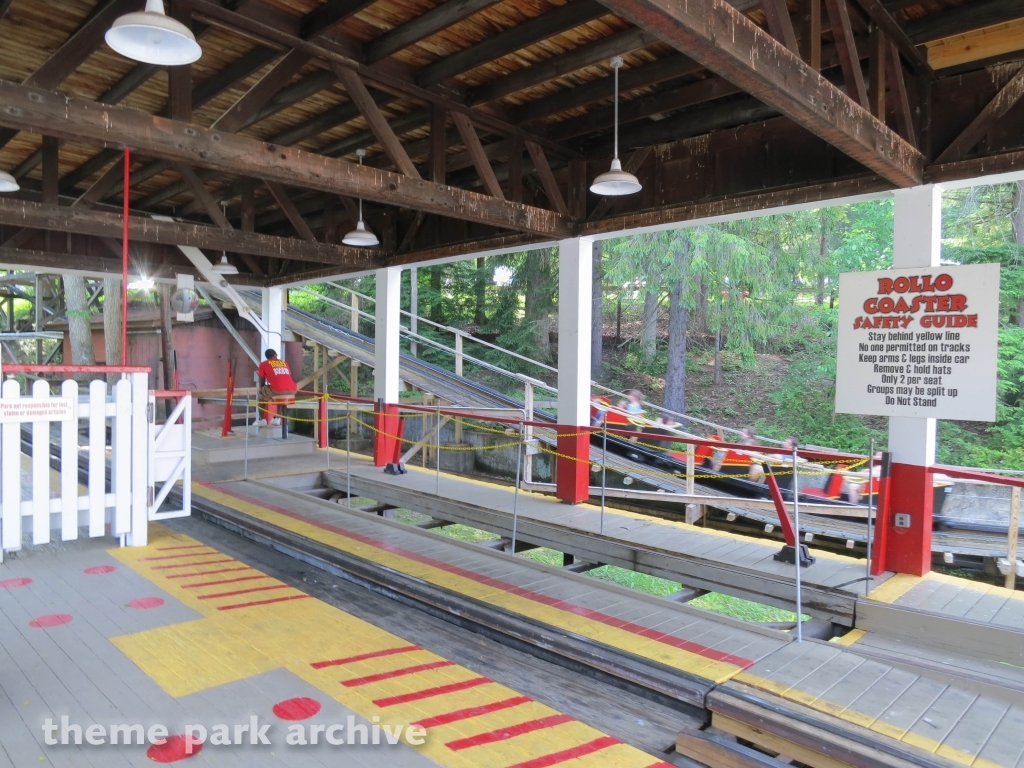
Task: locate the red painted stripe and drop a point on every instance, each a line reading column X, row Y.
column 260, row 602
column 244, row 591
column 209, row 573
column 471, row 712
column 569, row 754
column 428, row 693
column 508, row 733
column 637, row 629
column 186, row 546
column 356, row 681
column 223, row 581
column 364, row 656
column 661, row 764
column 182, row 554
column 191, row 565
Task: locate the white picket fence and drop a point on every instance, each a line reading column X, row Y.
column 140, row 453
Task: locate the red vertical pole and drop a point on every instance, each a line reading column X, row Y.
column 226, row 429
column 572, row 474
column 124, row 260
column 322, row 423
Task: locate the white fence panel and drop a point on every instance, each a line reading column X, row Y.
column 137, row 449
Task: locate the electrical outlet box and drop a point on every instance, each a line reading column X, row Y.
column 901, row 520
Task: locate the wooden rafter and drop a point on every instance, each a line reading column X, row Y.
column 780, row 25
column 288, row 208
column 547, row 178
column 243, row 110
column 901, row 101
column 1000, row 104
column 884, row 21
column 811, row 39
column 876, row 73
column 376, row 121
column 849, row 60
column 147, row 230
column 728, row 43
column 83, row 120
column 425, row 25
column 479, row 157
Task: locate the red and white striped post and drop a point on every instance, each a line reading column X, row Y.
column 386, row 358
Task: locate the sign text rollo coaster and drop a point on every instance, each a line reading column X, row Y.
column 919, row 342
column 25, row 409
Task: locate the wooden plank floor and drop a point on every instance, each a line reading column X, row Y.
column 956, row 598
column 958, row 711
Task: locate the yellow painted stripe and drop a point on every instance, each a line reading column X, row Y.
column 693, row 663
column 894, row 588
column 226, row 646
column 849, row 638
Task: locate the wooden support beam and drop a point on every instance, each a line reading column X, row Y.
column 146, row 230
column 515, row 171
column 811, row 38
column 288, row 207
column 846, row 45
column 242, row 111
column 85, row 121
column 424, row 25
column 203, row 196
column 884, row 21
column 410, row 234
column 578, row 189
column 723, row 40
column 476, row 151
column 179, row 79
column 780, row 25
column 521, row 35
column 876, row 73
column 563, row 64
column 438, row 143
column 248, row 207
column 547, row 178
column 330, row 13
column 4, row 7
column 901, row 102
column 1000, row 104
column 376, row 121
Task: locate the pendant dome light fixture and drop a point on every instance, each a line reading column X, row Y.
column 225, row 267
column 360, row 236
column 152, row 37
column 8, row 183
column 616, row 181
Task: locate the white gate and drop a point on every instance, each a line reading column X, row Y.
column 140, row 454
column 170, row 457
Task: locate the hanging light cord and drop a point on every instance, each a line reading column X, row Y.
column 616, row 103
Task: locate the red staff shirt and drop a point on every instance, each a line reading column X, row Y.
column 277, row 374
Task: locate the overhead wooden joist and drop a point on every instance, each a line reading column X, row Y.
column 729, row 44
column 25, row 213
column 82, row 120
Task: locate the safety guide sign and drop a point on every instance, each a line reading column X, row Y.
column 919, row 342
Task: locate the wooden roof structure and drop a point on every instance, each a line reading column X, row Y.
column 484, row 121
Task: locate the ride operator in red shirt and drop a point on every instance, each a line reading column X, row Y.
column 275, row 381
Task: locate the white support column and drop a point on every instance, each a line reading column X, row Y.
column 414, row 306
column 917, row 242
column 575, row 283
column 273, row 320
column 387, row 309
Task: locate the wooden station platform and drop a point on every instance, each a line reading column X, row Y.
column 873, row 698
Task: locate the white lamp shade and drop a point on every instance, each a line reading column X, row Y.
column 151, row 37
column 8, row 183
column 225, row 267
column 360, row 236
column 615, row 181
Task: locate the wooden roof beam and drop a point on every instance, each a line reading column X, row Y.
column 249, row 103
column 780, row 25
column 1000, row 104
column 726, row 42
column 423, row 26
column 846, row 45
column 85, row 121
column 547, row 178
column 147, row 230
column 288, row 208
column 887, row 24
column 479, row 157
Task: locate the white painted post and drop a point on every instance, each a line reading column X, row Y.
column 1011, row 542
column 528, row 431
column 386, row 334
column 11, row 473
column 575, row 284
column 690, row 461
column 97, row 456
column 458, row 353
column 69, row 465
column 272, row 318
column 414, row 306
column 353, row 368
column 40, row 470
column 121, row 452
column 916, row 243
column 138, row 534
